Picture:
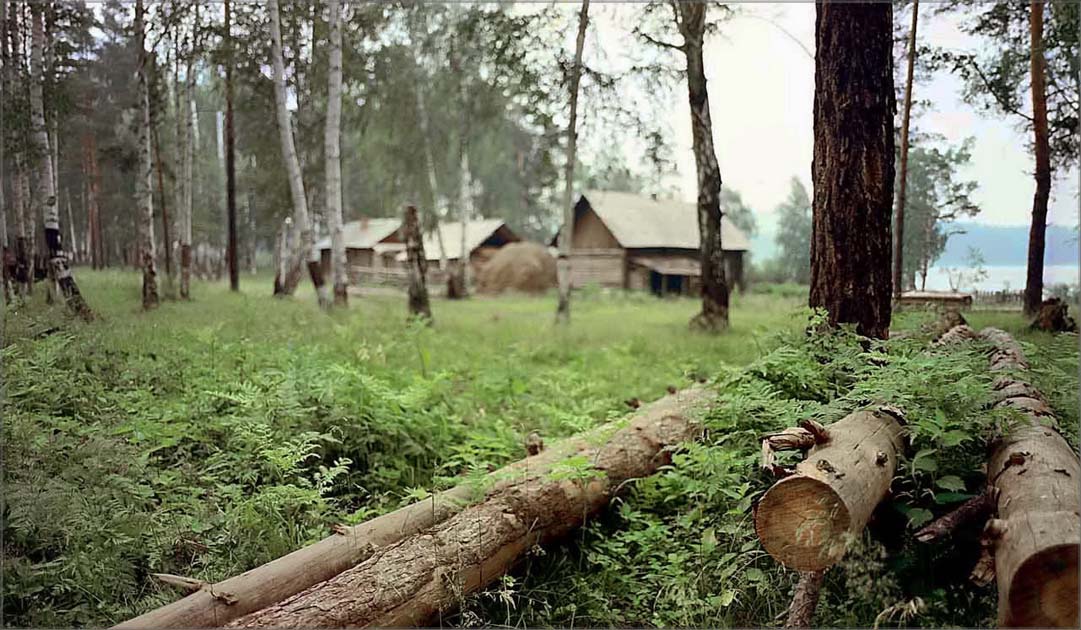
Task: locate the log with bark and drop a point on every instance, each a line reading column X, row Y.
column 1036, row 534
column 806, row 520
column 802, row 609
column 415, row 580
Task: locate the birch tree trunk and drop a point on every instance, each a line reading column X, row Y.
column 853, row 165
column 1042, row 150
column 144, row 200
column 899, row 214
column 20, row 189
column 7, row 258
column 306, row 247
column 566, row 233
column 691, row 19
column 46, row 197
column 332, row 148
column 433, row 212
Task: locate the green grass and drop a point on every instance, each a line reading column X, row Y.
column 207, row 437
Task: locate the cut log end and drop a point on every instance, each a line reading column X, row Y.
column 803, row 523
column 1044, row 590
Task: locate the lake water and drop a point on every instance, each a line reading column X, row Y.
column 1010, row 278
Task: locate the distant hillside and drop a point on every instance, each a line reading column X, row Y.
column 1001, row 245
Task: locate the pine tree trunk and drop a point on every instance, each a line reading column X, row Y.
column 305, row 251
column 93, row 183
column 188, row 168
column 1041, row 147
column 143, row 196
column 419, row 305
column 7, row 257
column 714, row 314
column 899, row 215
column 853, row 165
column 46, row 197
column 231, row 252
column 333, row 159
column 566, row 232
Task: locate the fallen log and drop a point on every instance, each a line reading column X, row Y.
column 412, row 581
column 216, row 604
column 974, row 510
column 805, row 521
column 1036, row 534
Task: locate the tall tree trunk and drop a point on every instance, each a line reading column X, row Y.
column 252, row 244
column 899, row 215
column 566, row 232
column 1041, row 147
column 691, row 18
column 332, row 155
column 853, row 165
column 166, row 239
column 144, row 199
column 417, row 263
column 93, row 186
column 230, row 157
column 23, row 244
column 433, row 212
column 7, row 257
column 188, row 162
column 306, row 247
column 46, row 197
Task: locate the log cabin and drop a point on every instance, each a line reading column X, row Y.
column 630, row 241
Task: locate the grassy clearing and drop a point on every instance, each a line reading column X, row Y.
column 208, row 437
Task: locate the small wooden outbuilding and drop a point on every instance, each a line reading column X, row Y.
column 624, row 240
column 363, row 241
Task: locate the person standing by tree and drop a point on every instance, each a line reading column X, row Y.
column 852, row 167
column 46, row 193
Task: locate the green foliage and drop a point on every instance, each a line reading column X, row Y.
column 680, row 549
column 794, row 235
column 208, row 437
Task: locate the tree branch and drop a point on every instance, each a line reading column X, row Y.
column 657, row 42
column 1001, row 103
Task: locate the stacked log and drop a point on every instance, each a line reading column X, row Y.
column 406, row 567
column 806, row 520
column 413, row 581
column 1036, row 532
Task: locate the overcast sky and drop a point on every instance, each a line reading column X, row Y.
column 761, row 89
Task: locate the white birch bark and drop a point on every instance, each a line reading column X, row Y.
column 306, row 246
column 144, row 200
column 46, row 197
column 417, row 33
column 332, row 148
column 563, row 266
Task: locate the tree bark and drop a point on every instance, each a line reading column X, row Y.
column 806, row 521
column 143, row 196
column 165, row 236
column 853, row 165
column 411, row 582
column 1041, row 148
column 691, row 19
column 305, row 250
column 7, row 256
column 231, row 253
column 1037, row 529
column 802, row 609
column 419, row 305
column 566, row 233
column 332, row 156
column 23, row 263
column 433, row 212
column 46, row 197
column 902, row 184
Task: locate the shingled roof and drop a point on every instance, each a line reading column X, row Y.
column 641, row 222
column 363, row 234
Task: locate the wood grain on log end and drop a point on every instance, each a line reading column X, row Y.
column 803, row 523
column 1044, row 590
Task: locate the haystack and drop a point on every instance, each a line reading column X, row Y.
column 526, row 267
